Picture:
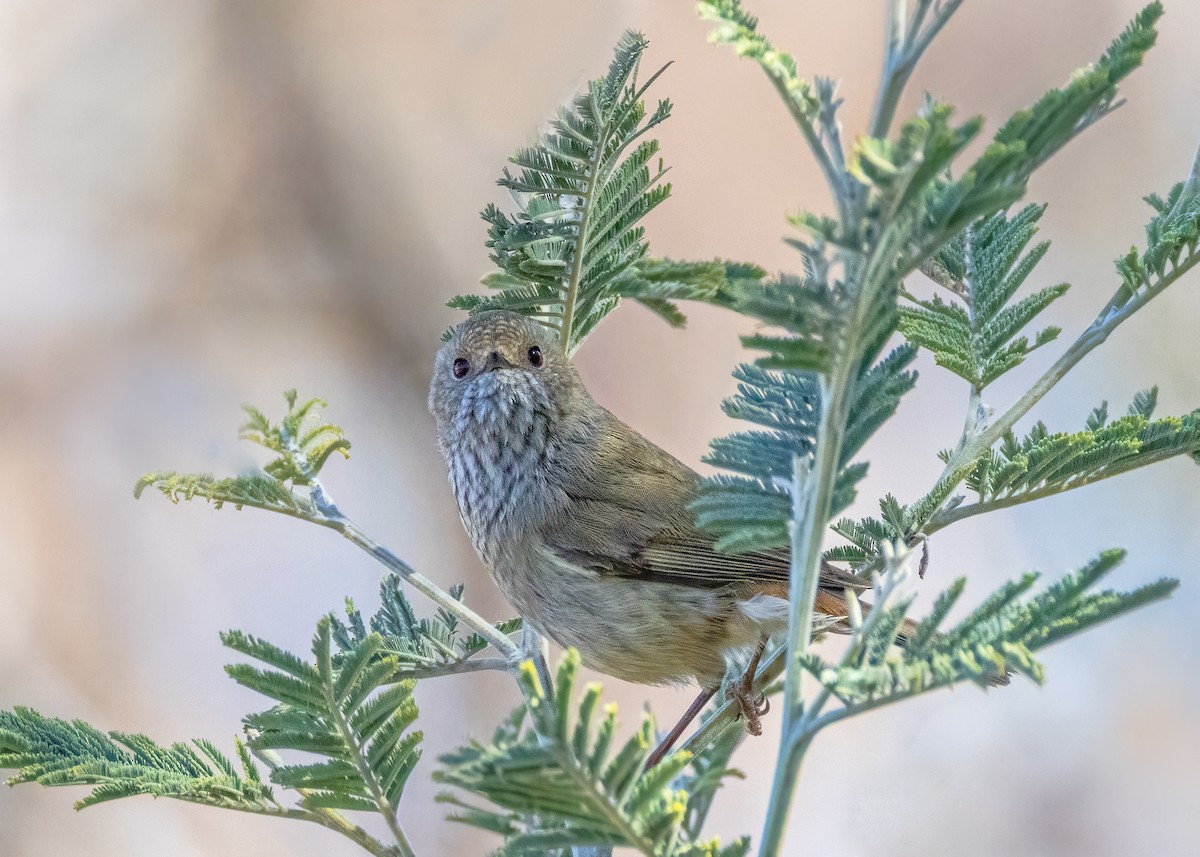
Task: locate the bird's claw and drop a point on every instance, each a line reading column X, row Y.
column 751, row 708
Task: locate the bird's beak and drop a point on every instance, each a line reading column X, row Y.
column 496, row 360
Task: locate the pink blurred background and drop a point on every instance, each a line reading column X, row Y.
column 205, row 203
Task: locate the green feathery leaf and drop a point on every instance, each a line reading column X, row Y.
column 421, row 646
column 582, row 191
column 303, row 442
column 751, row 510
column 999, row 637
column 658, row 283
column 1172, row 236
column 1031, row 137
column 55, row 752
column 557, row 786
column 347, row 709
column 736, row 27
column 984, row 266
column 257, row 490
column 1041, row 464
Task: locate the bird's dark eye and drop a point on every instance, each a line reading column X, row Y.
column 461, row 368
column 535, row 356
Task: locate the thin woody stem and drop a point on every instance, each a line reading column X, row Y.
column 471, row 665
column 332, row 517
column 812, row 498
column 1114, row 313
column 812, row 488
column 500, row 641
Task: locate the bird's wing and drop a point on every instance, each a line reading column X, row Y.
column 628, row 515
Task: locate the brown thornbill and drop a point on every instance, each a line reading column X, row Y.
column 584, row 524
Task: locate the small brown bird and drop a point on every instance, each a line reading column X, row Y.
column 584, row 524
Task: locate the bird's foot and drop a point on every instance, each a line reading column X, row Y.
column 752, row 707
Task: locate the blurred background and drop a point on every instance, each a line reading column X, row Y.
column 206, row 203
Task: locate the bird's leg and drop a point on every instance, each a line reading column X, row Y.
column 668, row 742
column 752, row 707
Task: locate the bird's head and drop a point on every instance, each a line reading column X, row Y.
column 500, row 371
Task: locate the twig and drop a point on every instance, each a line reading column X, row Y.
column 835, row 178
column 812, row 497
column 906, row 42
column 1111, row 317
column 501, row 642
column 333, row 517
column 471, row 665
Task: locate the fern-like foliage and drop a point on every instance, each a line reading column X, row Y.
column 53, row 752
column 896, row 524
column 1020, row 470
column 913, row 206
column 347, row 707
column 837, row 326
column 832, row 333
column 976, row 334
column 582, row 189
column 1000, row 636
column 910, row 198
column 558, row 783
column 910, row 191
column 1032, row 136
column 576, row 245
column 1041, row 463
column 658, row 284
column 751, row 509
column 834, row 322
column 421, row 647
column 256, row 490
column 734, row 26
column 303, row 442
column 347, row 710
column 1171, row 243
